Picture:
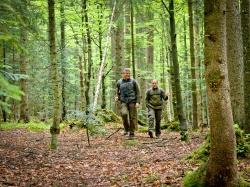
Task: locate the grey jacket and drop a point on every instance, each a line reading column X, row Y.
column 128, row 91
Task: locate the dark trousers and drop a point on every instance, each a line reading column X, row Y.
column 129, row 116
column 154, row 120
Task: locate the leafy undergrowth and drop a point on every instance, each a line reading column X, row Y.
column 26, row 160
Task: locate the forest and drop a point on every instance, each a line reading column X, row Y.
column 62, row 122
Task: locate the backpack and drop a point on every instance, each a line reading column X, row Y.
column 155, row 99
column 133, row 81
column 159, row 92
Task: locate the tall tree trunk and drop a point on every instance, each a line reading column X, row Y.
column 197, row 40
column 15, row 106
column 63, row 61
column 101, row 76
column 100, row 17
column 163, row 64
column 132, row 37
column 193, row 65
column 76, row 98
column 172, row 97
column 82, row 63
column 163, row 59
column 186, row 71
column 104, row 101
column 222, row 163
column 3, row 98
column 88, row 78
column 24, row 110
column 55, row 129
column 202, row 71
column 81, row 60
column 141, row 65
column 181, row 117
column 150, row 42
column 245, row 26
column 168, row 60
column 127, row 30
column 235, row 61
column 81, row 76
column 117, row 38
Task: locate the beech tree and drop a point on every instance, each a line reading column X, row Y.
column 55, row 129
column 193, row 65
column 222, row 165
column 245, row 25
column 235, row 61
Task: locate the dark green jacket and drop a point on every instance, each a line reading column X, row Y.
column 155, row 98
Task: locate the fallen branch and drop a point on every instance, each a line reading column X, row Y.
column 113, row 133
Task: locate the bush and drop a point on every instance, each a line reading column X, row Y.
column 195, row 178
column 201, row 154
column 244, row 183
column 76, row 118
column 242, row 140
column 243, row 147
column 95, row 122
column 174, row 126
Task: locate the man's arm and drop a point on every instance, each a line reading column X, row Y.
column 118, row 93
column 147, row 96
column 138, row 92
column 164, row 95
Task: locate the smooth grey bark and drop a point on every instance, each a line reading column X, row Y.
column 181, row 116
column 187, row 72
column 200, row 84
column 55, row 129
column 132, row 38
column 3, row 98
column 24, row 110
column 117, row 47
column 127, row 31
column 193, row 65
column 63, row 59
column 150, row 42
column 89, row 49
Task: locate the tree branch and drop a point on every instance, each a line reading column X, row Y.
column 164, row 4
column 108, row 71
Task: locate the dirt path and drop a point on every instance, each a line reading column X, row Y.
column 26, row 160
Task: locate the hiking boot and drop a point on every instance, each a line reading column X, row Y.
column 125, row 133
column 150, row 133
column 157, row 135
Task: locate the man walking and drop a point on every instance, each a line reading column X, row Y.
column 128, row 93
column 154, row 101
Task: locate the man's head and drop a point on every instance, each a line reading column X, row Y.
column 154, row 84
column 126, row 73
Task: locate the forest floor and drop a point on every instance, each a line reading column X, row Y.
column 26, row 160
